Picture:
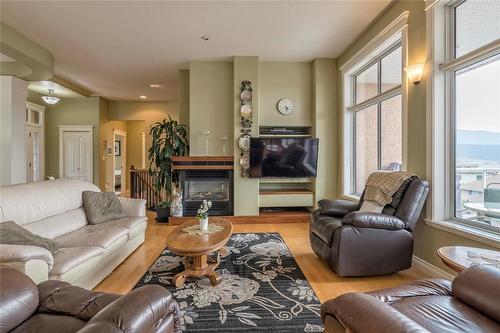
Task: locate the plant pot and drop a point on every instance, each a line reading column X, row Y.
column 162, row 214
column 203, row 224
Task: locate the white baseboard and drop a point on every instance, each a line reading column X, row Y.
column 431, row 269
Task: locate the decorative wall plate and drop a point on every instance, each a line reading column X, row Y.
column 246, row 111
column 245, row 161
column 246, row 96
column 244, row 142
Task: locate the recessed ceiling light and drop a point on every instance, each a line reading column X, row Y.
column 143, row 97
column 205, row 38
column 155, row 85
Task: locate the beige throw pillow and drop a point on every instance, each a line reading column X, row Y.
column 102, row 206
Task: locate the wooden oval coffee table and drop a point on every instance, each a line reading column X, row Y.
column 198, row 247
column 459, row 258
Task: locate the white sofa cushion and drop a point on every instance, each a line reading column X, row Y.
column 27, row 203
column 69, row 257
column 58, row 225
column 102, row 235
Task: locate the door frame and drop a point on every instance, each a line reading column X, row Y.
column 123, row 186
column 90, row 159
column 41, row 130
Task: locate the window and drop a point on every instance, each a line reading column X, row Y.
column 471, row 72
column 376, row 113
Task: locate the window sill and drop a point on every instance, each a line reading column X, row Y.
column 350, row 197
column 476, row 234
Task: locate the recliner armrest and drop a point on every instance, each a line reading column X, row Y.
column 59, row 297
column 373, row 220
column 478, row 287
column 337, row 208
column 428, row 287
column 142, row 310
column 133, row 207
column 359, row 312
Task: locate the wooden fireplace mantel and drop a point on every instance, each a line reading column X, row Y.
column 203, row 163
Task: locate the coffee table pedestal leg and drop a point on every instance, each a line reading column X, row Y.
column 198, row 268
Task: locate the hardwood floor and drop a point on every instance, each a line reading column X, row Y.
column 325, row 283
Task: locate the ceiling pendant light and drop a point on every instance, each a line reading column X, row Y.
column 50, row 98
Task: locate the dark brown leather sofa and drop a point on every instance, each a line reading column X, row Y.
column 58, row 307
column 360, row 243
column 471, row 303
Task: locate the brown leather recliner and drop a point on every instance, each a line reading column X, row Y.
column 471, row 303
column 58, row 307
column 360, row 243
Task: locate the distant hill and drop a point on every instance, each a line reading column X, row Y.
column 478, row 145
column 467, row 137
column 478, row 152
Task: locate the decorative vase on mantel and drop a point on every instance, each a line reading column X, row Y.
column 203, row 214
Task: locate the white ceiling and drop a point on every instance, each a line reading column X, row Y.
column 118, row 48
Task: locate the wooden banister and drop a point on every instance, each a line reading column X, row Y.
column 141, row 187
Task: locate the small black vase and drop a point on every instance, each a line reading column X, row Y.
column 162, row 214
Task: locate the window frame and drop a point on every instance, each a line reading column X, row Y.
column 377, row 101
column 386, row 41
column 441, row 120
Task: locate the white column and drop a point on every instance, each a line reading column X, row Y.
column 13, row 94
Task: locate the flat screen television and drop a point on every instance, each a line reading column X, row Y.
column 283, row 157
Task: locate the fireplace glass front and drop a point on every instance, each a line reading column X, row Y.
column 213, row 185
column 199, row 190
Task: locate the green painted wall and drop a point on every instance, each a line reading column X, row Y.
column 246, row 190
column 311, row 85
column 70, row 111
column 325, row 119
column 291, row 80
column 427, row 239
column 35, row 97
column 184, row 96
column 210, row 106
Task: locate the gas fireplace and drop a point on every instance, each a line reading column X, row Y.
column 206, row 178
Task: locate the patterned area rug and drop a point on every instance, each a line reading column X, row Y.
column 262, row 289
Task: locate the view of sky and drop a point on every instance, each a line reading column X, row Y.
column 478, row 97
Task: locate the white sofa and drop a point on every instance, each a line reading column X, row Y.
column 54, row 209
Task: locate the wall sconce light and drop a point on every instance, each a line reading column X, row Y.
column 414, row 73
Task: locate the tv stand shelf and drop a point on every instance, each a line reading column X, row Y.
column 286, row 198
column 284, row 191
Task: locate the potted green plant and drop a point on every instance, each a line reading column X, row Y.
column 168, row 139
column 163, row 210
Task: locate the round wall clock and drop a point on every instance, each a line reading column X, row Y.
column 285, row 106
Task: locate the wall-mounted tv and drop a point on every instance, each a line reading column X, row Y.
column 283, row 157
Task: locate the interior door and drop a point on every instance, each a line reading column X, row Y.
column 76, row 155
column 33, row 154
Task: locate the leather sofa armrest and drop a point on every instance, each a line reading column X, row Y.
column 337, row 208
column 429, row 287
column 59, row 297
column 373, row 220
column 133, row 207
column 359, row 312
column 142, row 310
column 478, row 286
column 22, row 253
